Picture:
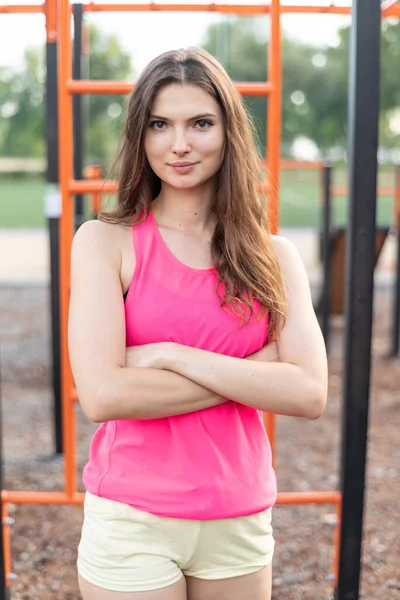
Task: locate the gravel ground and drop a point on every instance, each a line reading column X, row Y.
column 44, row 538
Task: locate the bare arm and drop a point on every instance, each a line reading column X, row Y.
column 107, row 388
column 297, row 385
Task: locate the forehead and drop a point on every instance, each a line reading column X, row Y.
column 184, row 101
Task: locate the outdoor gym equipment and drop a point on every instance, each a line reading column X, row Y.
column 364, row 86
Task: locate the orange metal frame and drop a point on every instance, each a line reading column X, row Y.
column 390, row 8
column 60, row 25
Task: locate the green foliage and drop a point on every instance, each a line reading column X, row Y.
column 314, row 102
column 21, row 108
column 315, row 81
column 22, row 102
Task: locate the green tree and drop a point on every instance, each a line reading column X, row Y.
column 315, row 80
column 22, row 102
column 21, row 108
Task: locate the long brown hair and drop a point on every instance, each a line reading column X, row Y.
column 241, row 249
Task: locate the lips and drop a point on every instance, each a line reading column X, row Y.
column 182, row 164
column 183, row 168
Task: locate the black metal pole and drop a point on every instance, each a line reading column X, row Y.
column 364, row 79
column 53, row 211
column 396, row 301
column 3, row 588
column 77, row 111
column 326, row 253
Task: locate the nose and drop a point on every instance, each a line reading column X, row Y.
column 180, row 143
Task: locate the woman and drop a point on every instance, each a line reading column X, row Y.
column 175, row 297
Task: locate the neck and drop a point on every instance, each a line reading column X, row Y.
column 190, row 209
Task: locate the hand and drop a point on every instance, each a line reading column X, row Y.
column 150, row 356
column 268, row 353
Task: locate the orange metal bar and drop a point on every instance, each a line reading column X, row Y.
column 381, row 191
column 22, row 9
column 80, row 186
column 94, row 172
column 51, row 20
column 336, row 542
column 66, row 235
column 6, row 544
column 389, row 11
column 309, row 498
column 273, row 146
column 240, row 9
column 11, row 497
column 100, row 186
column 121, row 87
column 284, row 498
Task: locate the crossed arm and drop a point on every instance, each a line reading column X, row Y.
column 166, row 379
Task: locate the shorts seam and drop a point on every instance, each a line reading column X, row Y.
column 230, row 572
column 129, row 586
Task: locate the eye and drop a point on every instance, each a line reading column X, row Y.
column 157, row 125
column 204, row 124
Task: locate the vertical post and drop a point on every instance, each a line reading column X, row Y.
column 326, row 253
column 53, row 208
column 364, row 79
column 66, row 171
column 273, row 148
column 77, row 111
column 396, row 300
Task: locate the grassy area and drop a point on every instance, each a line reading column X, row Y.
column 21, row 202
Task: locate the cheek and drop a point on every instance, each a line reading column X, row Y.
column 154, row 147
column 213, row 145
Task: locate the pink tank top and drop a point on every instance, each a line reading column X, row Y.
column 209, row 464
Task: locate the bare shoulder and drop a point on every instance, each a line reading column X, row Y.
column 289, row 257
column 284, row 248
column 95, row 232
column 97, row 237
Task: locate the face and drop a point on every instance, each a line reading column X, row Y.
column 185, row 135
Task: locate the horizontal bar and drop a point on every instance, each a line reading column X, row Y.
column 96, row 186
column 284, row 498
column 381, row 191
column 121, row 87
column 238, row 9
column 388, row 10
column 11, row 497
column 81, row 186
column 22, row 9
column 309, row 498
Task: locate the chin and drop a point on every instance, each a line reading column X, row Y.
column 185, row 182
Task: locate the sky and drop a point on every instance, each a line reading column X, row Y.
column 145, row 35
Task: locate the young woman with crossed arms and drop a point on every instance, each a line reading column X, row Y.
column 175, row 297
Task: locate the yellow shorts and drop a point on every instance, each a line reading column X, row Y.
column 127, row 550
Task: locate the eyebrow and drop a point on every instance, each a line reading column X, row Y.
column 197, row 117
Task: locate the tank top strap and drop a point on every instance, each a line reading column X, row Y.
column 143, row 243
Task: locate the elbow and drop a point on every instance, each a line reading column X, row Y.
column 94, row 406
column 316, row 403
column 93, row 411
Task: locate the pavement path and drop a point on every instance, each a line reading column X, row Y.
column 25, row 255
